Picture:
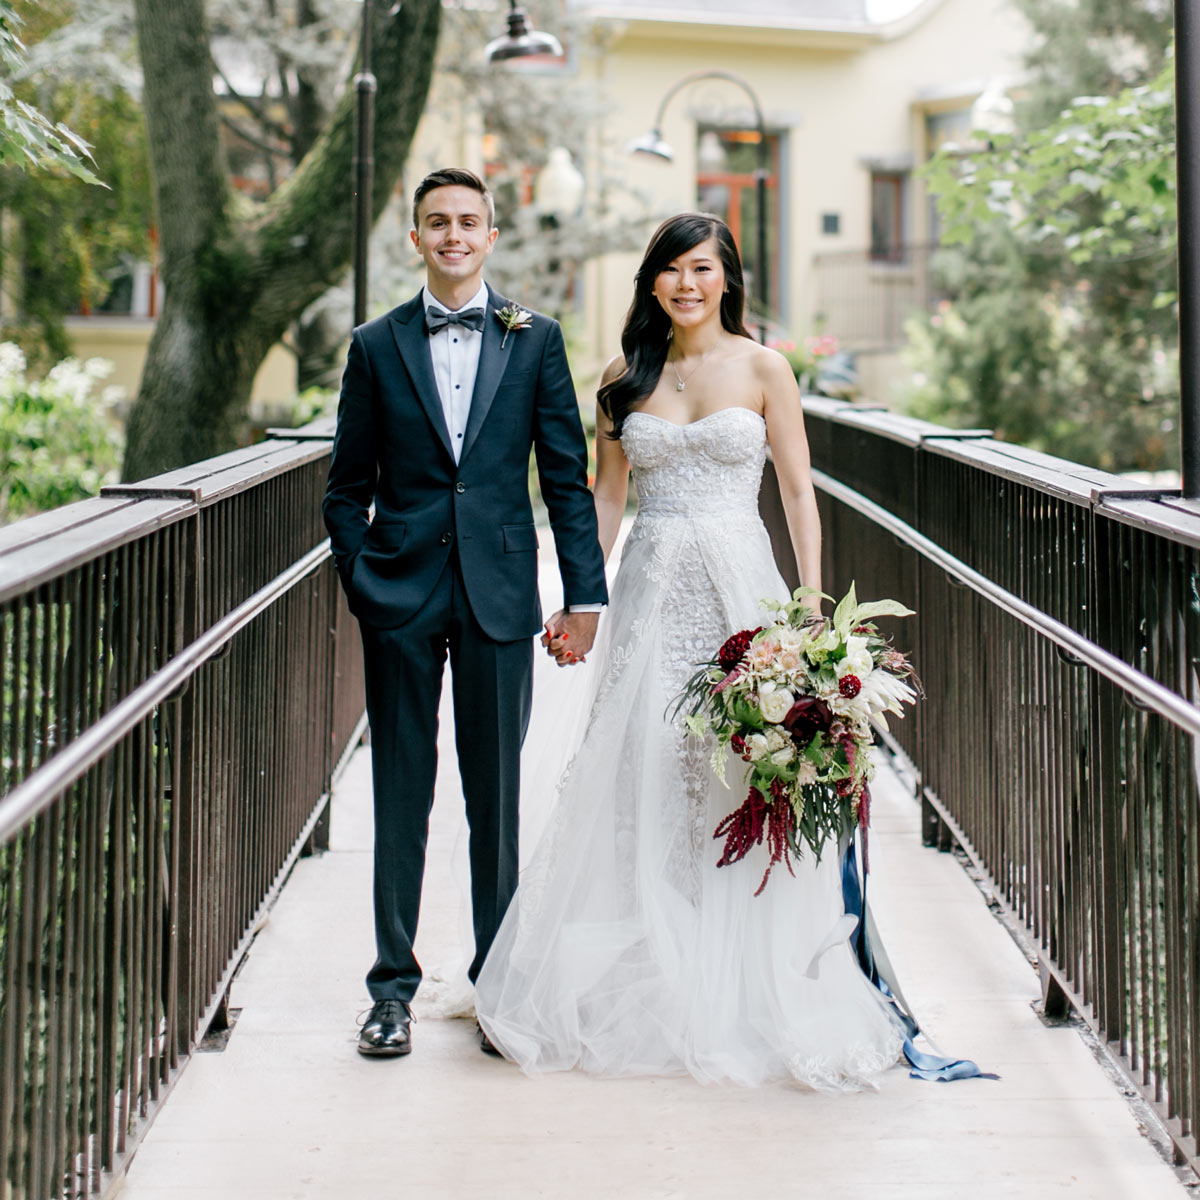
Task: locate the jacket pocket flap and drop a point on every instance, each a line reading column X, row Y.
column 520, row 537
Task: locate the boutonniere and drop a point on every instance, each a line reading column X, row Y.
column 512, row 316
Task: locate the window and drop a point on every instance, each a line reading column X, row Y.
column 726, row 184
column 887, row 215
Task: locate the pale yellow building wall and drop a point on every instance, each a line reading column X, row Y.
column 124, row 341
column 839, row 100
column 838, row 106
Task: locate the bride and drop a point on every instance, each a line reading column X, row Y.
column 626, row 951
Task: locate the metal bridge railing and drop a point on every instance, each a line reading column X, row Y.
column 181, row 680
column 1057, row 635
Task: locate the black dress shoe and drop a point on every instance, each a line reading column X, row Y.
column 485, row 1043
column 385, row 1033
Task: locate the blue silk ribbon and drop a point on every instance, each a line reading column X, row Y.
column 922, row 1065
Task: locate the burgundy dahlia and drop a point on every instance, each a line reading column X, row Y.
column 806, row 717
column 735, row 648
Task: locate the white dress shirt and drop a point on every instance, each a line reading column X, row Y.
column 455, row 353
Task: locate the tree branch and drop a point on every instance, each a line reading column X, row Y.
column 252, row 137
column 256, row 107
column 304, row 233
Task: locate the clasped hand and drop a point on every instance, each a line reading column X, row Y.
column 569, row 636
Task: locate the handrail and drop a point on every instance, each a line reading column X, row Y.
column 1057, row 634
column 1149, row 691
column 38, row 790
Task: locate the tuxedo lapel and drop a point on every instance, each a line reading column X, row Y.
column 408, row 328
column 493, row 362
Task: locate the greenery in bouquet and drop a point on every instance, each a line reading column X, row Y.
column 795, row 701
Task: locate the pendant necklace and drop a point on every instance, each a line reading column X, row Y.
column 681, row 381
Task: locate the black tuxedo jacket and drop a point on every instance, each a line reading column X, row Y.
column 392, row 448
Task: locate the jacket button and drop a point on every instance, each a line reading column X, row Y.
column 446, row 538
column 460, row 488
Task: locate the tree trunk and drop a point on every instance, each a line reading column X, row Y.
column 235, row 279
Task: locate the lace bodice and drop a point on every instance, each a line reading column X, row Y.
column 712, row 466
column 697, row 488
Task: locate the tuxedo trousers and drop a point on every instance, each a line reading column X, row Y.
column 492, row 692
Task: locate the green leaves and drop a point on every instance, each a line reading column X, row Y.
column 1059, row 258
column 57, row 441
column 29, row 140
column 1119, row 150
column 849, row 614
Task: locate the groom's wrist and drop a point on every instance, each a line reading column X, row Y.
column 582, row 608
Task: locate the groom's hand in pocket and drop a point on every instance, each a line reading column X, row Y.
column 569, row 636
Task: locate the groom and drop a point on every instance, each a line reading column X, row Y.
column 441, row 401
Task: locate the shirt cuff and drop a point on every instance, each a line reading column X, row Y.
column 586, row 607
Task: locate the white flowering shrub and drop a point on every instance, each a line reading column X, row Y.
column 58, row 439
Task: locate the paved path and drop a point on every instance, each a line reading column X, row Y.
column 289, row 1110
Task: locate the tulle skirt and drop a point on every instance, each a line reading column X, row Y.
column 626, row 950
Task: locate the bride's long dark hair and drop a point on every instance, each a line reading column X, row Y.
column 645, row 339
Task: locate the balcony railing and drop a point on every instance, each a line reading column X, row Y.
column 1058, row 635
column 864, row 300
column 181, row 680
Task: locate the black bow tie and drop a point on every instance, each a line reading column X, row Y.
column 437, row 319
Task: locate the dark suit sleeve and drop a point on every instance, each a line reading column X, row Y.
column 561, row 451
column 353, row 468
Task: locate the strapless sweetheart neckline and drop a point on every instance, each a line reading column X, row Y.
column 699, row 420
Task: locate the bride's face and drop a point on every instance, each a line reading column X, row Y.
column 690, row 287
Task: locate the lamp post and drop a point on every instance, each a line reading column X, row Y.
column 364, row 164
column 519, row 42
column 1187, row 163
column 652, row 144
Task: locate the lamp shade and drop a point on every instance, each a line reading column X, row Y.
column 652, row 144
column 520, row 41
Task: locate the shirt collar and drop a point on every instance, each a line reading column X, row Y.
column 479, row 300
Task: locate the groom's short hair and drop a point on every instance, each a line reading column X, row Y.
column 452, row 177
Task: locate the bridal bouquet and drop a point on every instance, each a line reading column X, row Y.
column 795, row 701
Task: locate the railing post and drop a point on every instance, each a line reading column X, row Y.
column 1105, row 793
column 184, row 807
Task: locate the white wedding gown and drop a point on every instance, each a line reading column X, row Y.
column 626, row 951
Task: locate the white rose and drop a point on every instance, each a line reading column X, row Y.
column 756, row 746
column 776, row 703
column 781, row 758
column 776, row 739
column 858, row 659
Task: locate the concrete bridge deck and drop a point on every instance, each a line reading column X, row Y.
column 289, row 1111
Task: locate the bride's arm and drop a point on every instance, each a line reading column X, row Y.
column 789, row 449
column 612, row 473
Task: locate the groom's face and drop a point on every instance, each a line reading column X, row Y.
column 454, row 236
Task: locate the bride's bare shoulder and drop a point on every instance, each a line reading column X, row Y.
column 614, row 370
column 771, row 369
